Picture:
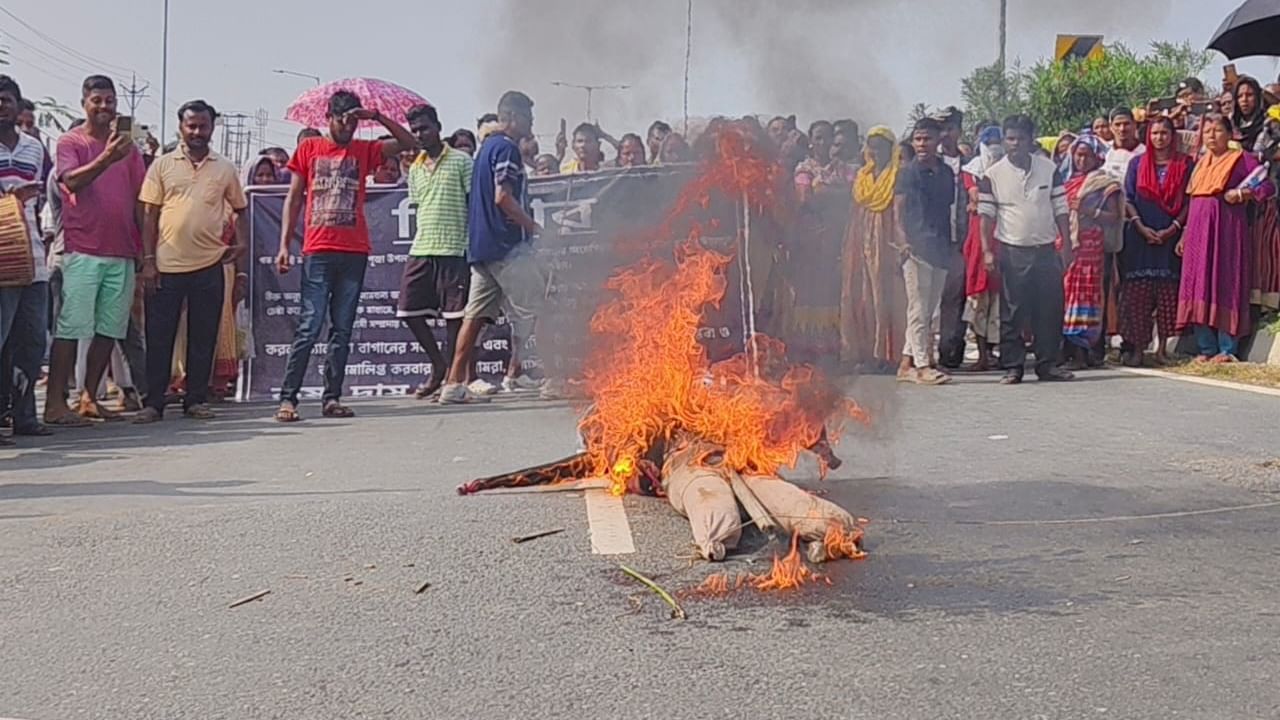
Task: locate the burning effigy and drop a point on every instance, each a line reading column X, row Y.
column 710, row 437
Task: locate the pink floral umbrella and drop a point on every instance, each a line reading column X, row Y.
column 386, row 97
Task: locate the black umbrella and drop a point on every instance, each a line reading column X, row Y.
column 1253, row 29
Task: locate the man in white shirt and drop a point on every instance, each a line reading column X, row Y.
column 1125, row 146
column 1023, row 205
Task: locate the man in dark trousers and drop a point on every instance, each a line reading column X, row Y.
column 185, row 197
column 951, row 325
column 1023, row 205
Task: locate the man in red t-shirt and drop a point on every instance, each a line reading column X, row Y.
column 329, row 174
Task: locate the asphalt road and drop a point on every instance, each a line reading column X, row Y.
column 1008, row 576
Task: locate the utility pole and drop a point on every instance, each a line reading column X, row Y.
column 261, row 117
column 133, row 95
column 164, row 78
column 236, row 137
column 1004, row 32
column 590, row 90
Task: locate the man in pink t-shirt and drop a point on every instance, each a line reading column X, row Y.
column 100, row 172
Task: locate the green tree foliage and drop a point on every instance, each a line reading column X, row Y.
column 51, row 114
column 994, row 93
column 1068, row 95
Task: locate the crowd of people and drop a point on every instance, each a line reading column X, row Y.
column 893, row 255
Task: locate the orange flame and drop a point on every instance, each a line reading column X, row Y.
column 841, row 543
column 788, row 573
column 648, row 376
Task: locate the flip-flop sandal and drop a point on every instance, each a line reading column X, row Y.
column 337, row 410
column 199, row 412
column 37, row 431
column 69, row 419
column 147, row 416
column 425, row 392
column 288, row 414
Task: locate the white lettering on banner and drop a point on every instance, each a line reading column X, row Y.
column 379, row 310
column 384, row 324
column 293, row 296
column 360, row 323
column 496, row 344
column 383, row 347
column 379, row 390
column 375, row 295
column 411, row 369
column 277, row 350
column 293, row 310
column 573, row 217
column 272, row 296
column 366, row 368
column 274, row 311
column 492, row 367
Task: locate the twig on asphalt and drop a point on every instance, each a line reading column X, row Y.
column 677, row 612
column 535, row 536
column 422, row 588
column 256, row 596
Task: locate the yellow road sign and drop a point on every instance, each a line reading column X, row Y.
column 1078, row 47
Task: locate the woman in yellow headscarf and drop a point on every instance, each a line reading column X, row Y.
column 873, row 298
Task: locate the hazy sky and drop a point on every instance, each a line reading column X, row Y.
column 869, row 59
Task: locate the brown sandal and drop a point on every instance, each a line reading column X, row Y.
column 335, row 409
column 288, row 413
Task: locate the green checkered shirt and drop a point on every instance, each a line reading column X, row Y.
column 440, row 192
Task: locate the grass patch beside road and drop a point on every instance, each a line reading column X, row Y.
column 1246, row 373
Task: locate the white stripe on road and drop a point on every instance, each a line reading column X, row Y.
column 1225, row 384
column 608, row 524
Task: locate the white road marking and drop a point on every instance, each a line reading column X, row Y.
column 608, row 524
column 1203, row 381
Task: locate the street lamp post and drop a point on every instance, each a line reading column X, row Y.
column 164, row 79
column 294, row 73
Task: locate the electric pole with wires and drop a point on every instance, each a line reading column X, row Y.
column 133, row 94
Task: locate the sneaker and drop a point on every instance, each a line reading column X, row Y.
column 519, row 384
column 552, row 391
column 459, row 394
column 483, row 387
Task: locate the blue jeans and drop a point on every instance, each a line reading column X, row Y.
column 24, row 322
column 1213, row 342
column 332, row 282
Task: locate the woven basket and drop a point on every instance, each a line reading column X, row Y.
column 17, row 267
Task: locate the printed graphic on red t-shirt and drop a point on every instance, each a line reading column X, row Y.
column 335, row 176
column 335, row 183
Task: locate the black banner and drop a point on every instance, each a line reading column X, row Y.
column 588, row 221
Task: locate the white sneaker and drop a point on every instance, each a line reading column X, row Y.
column 483, row 387
column 459, row 394
column 522, row 383
column 553, row 391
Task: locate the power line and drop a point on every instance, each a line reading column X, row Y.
column 133, row 94
column 66, row 48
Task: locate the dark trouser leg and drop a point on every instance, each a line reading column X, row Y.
column 205, row 290
column 1048, row 306
column 315, row 299
column 1014, row 306
column 952, row 327
column 27, row 340
column 7, row 380
column 346, row 279
column 164, row 310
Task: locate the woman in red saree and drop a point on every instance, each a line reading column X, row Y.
column 981, row 286
column 1096, row 210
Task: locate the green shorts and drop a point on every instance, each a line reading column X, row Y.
column 97, row 294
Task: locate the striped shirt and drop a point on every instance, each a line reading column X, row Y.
column 24, row 165
column 1024, row 203
column 439, row 189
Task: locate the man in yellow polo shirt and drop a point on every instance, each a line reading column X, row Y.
column 186, row 196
